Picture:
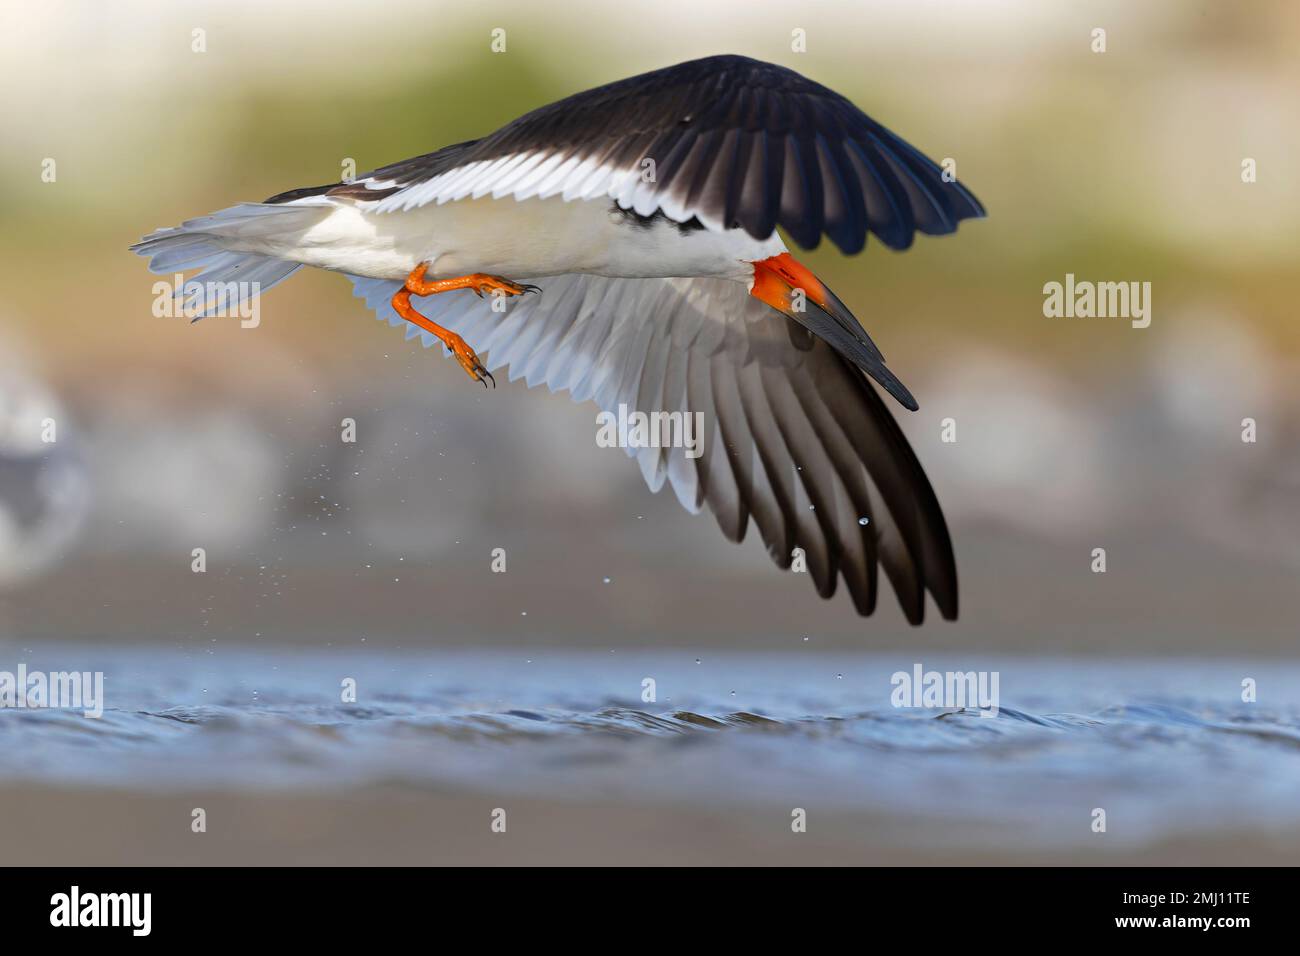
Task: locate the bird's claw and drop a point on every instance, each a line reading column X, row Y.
column 477, row 370
column 495, row 285
column 470, row 362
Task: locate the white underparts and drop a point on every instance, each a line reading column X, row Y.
column 519, row 239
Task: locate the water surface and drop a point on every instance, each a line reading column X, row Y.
column 1167, row 749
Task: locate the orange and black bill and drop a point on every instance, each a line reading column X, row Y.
column 790, row 287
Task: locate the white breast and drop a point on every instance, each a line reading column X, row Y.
column 518, row 240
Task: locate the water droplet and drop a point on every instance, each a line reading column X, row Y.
column 607, row 580
column 864, row 521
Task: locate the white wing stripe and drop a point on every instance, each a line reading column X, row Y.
column 574, row 181
column 527, row 185
column 484, row 183
column 556, row 180
column 527, row 174
column 515, row 173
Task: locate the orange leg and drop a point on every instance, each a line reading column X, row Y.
column 481, row 283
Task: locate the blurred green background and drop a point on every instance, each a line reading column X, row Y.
column 1073, row 434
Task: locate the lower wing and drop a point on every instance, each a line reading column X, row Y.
column 793, row 436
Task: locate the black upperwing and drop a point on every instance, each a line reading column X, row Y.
column 739, row 143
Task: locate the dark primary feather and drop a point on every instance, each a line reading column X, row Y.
column 740, row 143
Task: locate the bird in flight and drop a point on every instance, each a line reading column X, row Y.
column 622, row 244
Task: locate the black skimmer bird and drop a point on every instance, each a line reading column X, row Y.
column 644, row 216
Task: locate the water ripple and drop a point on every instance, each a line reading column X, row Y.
column 1159, row 747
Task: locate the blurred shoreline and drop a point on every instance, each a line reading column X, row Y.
column 1019, row 595
column 396, row 826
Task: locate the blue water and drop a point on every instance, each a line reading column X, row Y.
column 1165, row 748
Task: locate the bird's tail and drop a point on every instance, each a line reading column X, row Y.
column 221, row 244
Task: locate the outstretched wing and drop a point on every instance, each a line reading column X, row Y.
column 734, row 142
column 793, row 436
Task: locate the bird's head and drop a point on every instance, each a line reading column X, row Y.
column 787, row 285
column 790, row 287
